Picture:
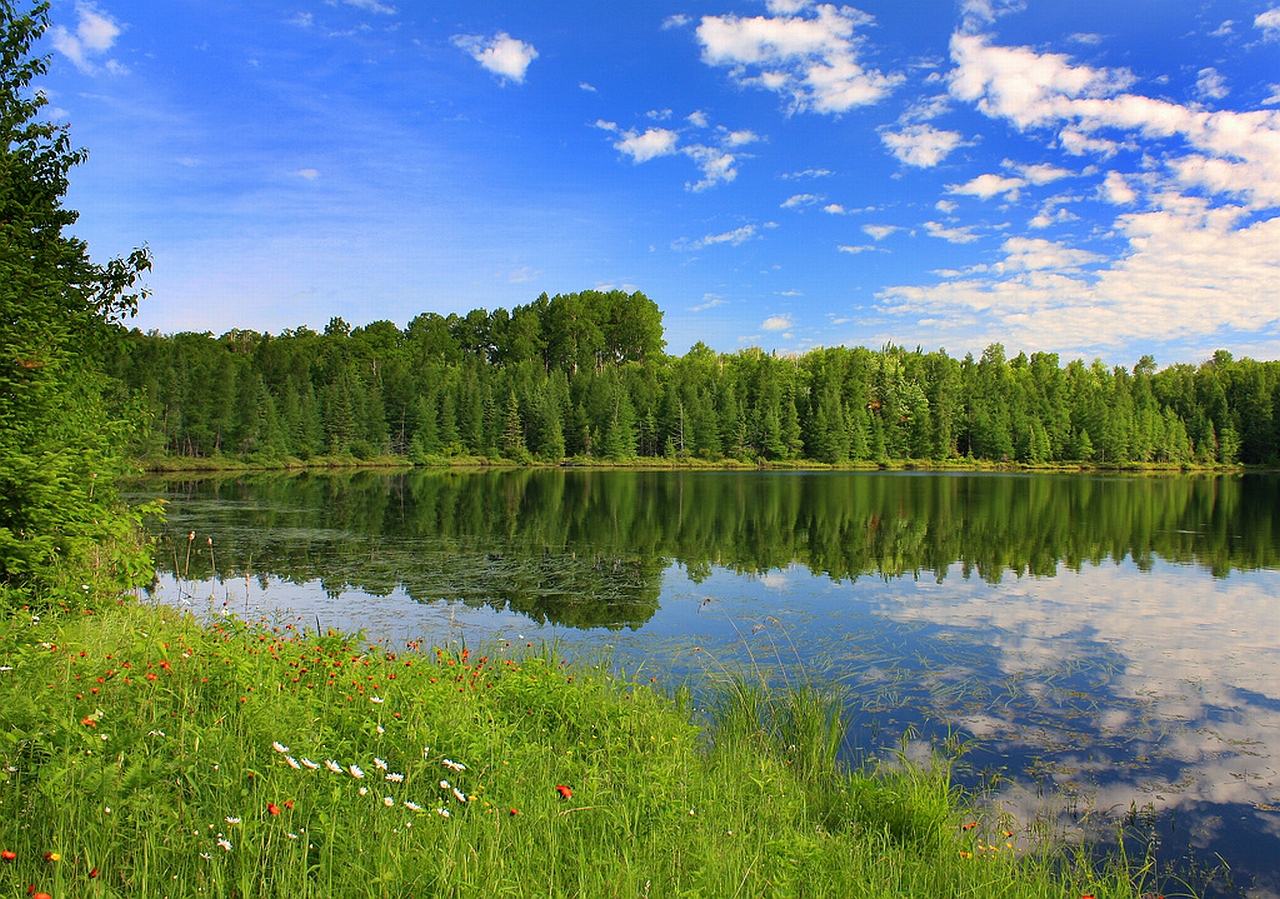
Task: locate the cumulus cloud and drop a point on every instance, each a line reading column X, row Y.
column 806, row 52
column 1189, row 271
column 834, row 209
column 717, row 164
column 1115, row 190
column 95, row 34
column 777, row 323
column 984, row 187
column 1210, row 85
column 922, row 146
column 1269, row 22
column 962, row 234
column 503, row 55
column 1226, row 152
column 651, row 144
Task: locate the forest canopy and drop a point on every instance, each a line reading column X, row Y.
column 586, row 375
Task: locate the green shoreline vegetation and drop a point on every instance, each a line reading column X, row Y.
column 143, row 752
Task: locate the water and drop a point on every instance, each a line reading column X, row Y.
column 1108, row 647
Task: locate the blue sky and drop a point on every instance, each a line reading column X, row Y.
column 1098, row 179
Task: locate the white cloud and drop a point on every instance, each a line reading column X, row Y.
column 1189, row 272
column 984, row 187
column 777, row 323
column 1019, row 84
column 798, row 200
column 976, row 13
column 503, row 55
column 96, row 32
column 373, row 6
column 717, row 166
column 709, row 301
column 1269, row 22
column 1210, row 85
column 1040, row 173
column 808, row 173
column 697, row 119
column 922, row 146
column 879, row 232
column 855, row 250
column 807, row 53
column 309, row 174
column 734, row 238
column 1227, row 152
column 659, row 115
column 676, row 21
column 1115, row 190
column 588, row 87
column 834, row 209
column 946, row 207
column 951, row 235
column 651, row 144
column 739, row 138
column 1036, row 254
column 1051, row 215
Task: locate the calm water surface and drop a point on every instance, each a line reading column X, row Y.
column 1109, row 645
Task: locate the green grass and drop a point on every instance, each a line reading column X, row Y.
column 138, row 758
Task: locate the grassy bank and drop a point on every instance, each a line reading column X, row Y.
column 142, row 754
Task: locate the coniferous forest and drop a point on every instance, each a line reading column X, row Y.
column 586, row 375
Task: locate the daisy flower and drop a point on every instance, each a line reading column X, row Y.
column 279, row 747
column 333, row 766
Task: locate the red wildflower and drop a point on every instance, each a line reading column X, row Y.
column 8, row 855
column 564, row 791
column 272, row 808
column 94, row 872
column 288, row 803
column 88, row 722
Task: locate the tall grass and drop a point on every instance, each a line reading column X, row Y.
column 144, row 754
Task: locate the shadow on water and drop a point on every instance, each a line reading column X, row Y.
column 1108, row 645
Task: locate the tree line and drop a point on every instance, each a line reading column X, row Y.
column 586, row 375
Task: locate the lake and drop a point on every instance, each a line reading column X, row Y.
column 1105, row 647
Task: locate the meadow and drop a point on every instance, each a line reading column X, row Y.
column 145, row 753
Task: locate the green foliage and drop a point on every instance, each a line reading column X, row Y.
column 62, row 531
column 143, row 755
